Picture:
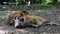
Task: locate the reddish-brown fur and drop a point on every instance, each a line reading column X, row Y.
column 11, row 15
column 24, row 15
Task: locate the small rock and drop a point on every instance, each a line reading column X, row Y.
column 6, row 32
column 22, row 31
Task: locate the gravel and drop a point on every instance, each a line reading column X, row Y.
column 52, row 16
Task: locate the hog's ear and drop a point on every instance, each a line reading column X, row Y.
column 25, row 12
column 22, row 14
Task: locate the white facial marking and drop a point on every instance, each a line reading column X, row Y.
column 16, row 22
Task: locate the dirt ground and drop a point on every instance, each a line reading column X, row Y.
column 52, row 16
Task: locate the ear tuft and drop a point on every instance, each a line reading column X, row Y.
column 25, row 12
column 21, row 14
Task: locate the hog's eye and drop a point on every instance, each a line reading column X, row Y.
column 22, row 19
column 18, row 17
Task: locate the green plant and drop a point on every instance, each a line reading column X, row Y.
column 58, row 0
column 47, row 1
